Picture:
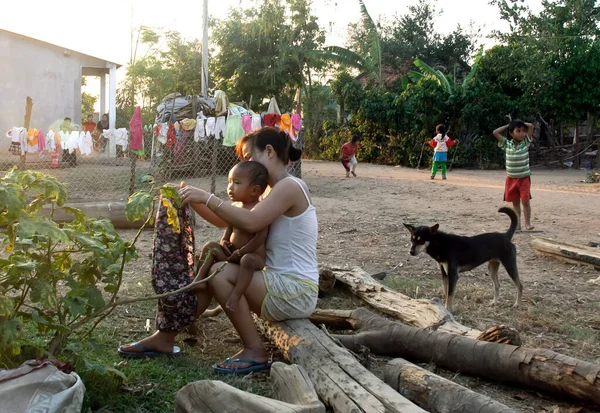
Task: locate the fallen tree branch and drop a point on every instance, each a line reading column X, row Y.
column 437, row 394
column 293, row 389
column 339, row 379
column 571, row 253
column 419, row 313
column 537, row 368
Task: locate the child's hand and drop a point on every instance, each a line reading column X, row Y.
column 227, row 246
column 235, row 257
column 232, row 303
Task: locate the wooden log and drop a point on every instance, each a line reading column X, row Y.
column 339, row 379
column 114, row 211
column 293, row 389
column 437, row 394
column 418, row 313
column 537, row 368
column 579, row 254
column 326, row 280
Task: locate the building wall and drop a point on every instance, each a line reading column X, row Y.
column 49, row 74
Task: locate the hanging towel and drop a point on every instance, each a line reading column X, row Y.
column 274, row 107
column 256, row 122
column 234, row 130
column 221, row 102
column 296, row 123
column 200, row 131
column 272, row 119
column 137, row 132
column 247, row 123
column 286, row 125
column 171, row 135
column 188, row 124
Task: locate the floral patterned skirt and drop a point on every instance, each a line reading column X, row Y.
column 172, row 269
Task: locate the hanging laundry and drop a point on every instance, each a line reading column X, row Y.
column 85, row 143
column 188, row 124
column 41, row 143
column 234, row 130
column 256, row 122
column 221, row 103
column 200, row 131
column 32, row 137
column 163, row 130
column 18, row 140
column 272, row 119
column 273, row 107
column 50, row 143
column 171, row 135
column 220, row 127
column 296, row 123
column 247, row 123
column 121, row 138
column 286, row 125
column 210, row 126
column 137, row 133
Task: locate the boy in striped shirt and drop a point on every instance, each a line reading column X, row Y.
column 518, row 179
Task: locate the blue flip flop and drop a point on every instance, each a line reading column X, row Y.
column 146, row 352
column 254, row 366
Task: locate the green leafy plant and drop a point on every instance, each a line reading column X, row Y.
column 62, row 280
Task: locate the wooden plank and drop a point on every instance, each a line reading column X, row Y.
column 579, row 254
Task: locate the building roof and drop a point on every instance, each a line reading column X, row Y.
column 59, row 46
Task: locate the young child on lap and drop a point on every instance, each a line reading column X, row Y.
column 247, row 182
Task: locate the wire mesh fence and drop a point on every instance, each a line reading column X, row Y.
column 111, row 173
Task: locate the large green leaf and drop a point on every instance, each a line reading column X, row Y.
column 13, row 201
column 10, row 330
column 85, row 241
column 30, row 225
column 7, row 306
column 345, row 57
column 373, row 40
column 138, row 206
column 44, row 293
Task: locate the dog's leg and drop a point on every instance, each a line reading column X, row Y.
column 452, row 280
column 493, row 269
column 443, row 267
column 510, row 264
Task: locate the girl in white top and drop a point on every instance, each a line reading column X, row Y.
column 288, row 286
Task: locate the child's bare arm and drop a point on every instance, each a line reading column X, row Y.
column 259, row 239
column 529, row 130
column 226, row 240
column 499, row 131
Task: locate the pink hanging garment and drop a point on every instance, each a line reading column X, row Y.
column 247, row 123
column 137, row 132
column 296, row 123
column 41, row 144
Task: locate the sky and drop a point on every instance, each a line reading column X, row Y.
column 103, row 28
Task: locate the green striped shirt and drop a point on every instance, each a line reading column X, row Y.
column 517, row 157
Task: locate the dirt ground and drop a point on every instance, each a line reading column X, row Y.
column 360, row 224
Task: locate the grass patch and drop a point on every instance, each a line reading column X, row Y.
column 415, row 287
column 578, row 333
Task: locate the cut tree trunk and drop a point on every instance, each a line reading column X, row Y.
column 437, row 394
column 326, row 280
column 537, row 368
column 571, row 253
column 340, row 380
column 292, row 387
column 418, row 313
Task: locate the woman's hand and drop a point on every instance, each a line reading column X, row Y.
column 192, row 195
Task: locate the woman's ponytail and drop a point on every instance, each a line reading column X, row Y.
column 294, row 153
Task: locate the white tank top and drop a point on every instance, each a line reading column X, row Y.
column 292, row 243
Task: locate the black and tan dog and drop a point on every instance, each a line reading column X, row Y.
column 455, row 253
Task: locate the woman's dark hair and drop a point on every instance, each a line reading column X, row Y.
column 355, row 138
column 514, row 124
column 279, row 140
column 440, row 129
column 257, row 173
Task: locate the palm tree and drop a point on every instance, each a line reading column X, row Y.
column 369, row 63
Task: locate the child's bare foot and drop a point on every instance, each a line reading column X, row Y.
column 529, row 227
column 354, row 174
column 443, row 178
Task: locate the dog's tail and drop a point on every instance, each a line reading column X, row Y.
column 514, row 220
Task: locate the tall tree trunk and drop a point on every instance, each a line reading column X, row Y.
column 538, row 368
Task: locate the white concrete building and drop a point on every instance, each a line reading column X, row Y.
column 51, row 76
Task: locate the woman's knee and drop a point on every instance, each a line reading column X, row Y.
column 250, row 261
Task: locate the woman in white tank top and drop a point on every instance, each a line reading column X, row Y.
column 287, row 288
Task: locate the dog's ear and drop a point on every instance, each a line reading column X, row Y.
column 409, row 227
column 434, row 228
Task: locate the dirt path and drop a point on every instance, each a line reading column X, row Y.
column 360, row 222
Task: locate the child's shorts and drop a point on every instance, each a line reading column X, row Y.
column 288, row 297
column 516, row 189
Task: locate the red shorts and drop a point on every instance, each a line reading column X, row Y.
column 517, row 189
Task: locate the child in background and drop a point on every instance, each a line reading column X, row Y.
column 348, row 155
column 517, row 188
column 247, row 182
column 440, row 144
